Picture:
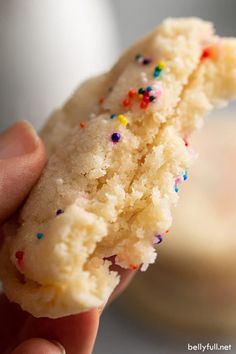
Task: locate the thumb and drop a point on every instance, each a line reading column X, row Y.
column 22, row 157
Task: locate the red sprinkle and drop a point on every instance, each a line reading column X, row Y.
column 101, row 101
column 82, row 125
column 19, row 255
column 143, row 104
column 132, row 93
column 133, row 266
column 205, row 54
column 209, row 52
column 126, row 102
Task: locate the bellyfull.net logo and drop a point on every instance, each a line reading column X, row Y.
column 209, row 347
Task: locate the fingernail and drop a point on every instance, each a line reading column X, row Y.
column 18, row 140
column 60, row 346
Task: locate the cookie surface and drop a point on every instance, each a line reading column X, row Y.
column 117, row 152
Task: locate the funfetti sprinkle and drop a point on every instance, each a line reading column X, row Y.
column 115, row 137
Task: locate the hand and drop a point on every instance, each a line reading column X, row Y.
column 22, row 158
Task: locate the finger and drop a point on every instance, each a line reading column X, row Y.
column 39, row 346
column 11, row 320
column 22, row 158
column 76, row 333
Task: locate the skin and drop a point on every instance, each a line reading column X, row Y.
column 22, row 158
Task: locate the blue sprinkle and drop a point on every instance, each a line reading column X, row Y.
column 149, row 88
column 39, row 235
column 176, row 188
column 113, row 115
column 156, row 72
column 185, row 176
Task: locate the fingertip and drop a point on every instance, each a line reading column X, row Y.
column 39, row 346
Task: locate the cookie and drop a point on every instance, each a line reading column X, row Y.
column 117, row 154
column 191, row 289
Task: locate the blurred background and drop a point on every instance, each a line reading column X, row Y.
column 47, row 48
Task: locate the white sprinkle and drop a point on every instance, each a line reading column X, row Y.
column 144, row 267
column 143, row 77
column 59, row 181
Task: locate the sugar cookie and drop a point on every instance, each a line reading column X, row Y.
column 117, row 155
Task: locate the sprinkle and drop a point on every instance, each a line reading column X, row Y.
column 205, row 54
column 132, row 93
column 156, row 72
column 157, row 93
column 133, row 266
column 113, row 115
column 157, row 239
column 101, row 101
column 59, row 181
column 122, row 119
column 158, row 69
column 19, row 255
column 209, row 52
column 177, row 180
column 176, row 188
column 140, row 96
column 39, row 235
column 59, row 211
column 144, row 267
column 141, row 90
column 115, row 137
column 146, row 61
column 185, row 176
column 143, row 77
column 82, row 125
column 143, row 104
column 126, row 102
column 152, row 98
column 162, row 65
column 142, row 60
column 146, row 98
column 149, row 88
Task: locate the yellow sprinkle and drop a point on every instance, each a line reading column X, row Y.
column 140, row 96
column 122, row 119
column 162, row 65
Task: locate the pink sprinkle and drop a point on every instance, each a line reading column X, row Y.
column 157, row 93
column 178, row 180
